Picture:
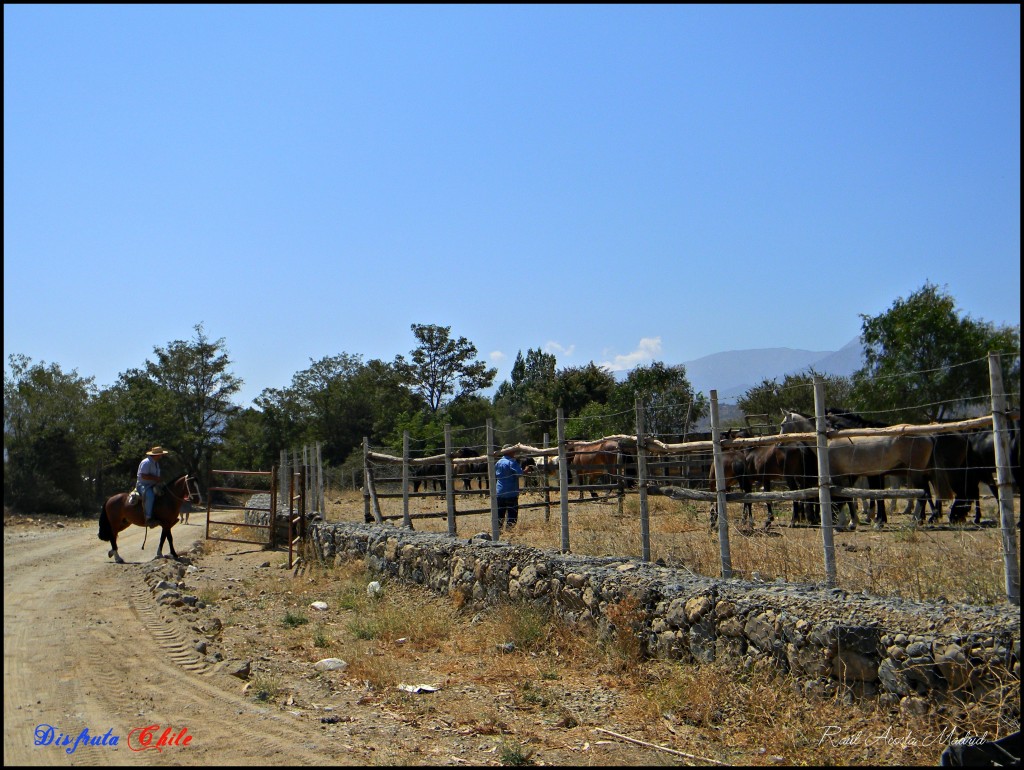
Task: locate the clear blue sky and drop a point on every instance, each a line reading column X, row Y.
column 617, row 184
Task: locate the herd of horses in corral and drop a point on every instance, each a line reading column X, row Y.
column 948, row 468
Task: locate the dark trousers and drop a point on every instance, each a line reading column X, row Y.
column 508, row 511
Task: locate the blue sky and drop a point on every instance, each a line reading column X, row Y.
column 616, row 184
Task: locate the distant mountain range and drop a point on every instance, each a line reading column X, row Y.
column 734, row 372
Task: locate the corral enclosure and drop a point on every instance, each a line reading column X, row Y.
column 944, row 563
column 972, row 562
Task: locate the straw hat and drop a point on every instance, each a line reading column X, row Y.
column 508, row 449
column 157, row 451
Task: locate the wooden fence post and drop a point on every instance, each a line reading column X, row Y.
column 563, row 480
column 723, row 511
column 1003, row 480
column 544, row 478
column 492, row 481
column 366, row 484
column 641, row 482
column 449, row 486
column 406, row 521
column 824, row 480
column 321, row 487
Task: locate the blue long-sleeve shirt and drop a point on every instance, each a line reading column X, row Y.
column 507, row 472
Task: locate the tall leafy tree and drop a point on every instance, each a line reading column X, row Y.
column 47, row 450
column 925, row 360
column 528, row 397
column 579, row 386
column 337, row 400
column 441, row 368
column 197, row 389
column 669, row 403
column 247, row 442
column 796, row 392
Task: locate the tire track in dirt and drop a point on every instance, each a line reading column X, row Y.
column 86, row 646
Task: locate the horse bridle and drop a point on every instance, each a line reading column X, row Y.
column 189, row 482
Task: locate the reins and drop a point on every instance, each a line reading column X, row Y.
column 167, row 489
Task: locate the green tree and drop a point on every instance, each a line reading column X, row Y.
column 442, row 368
column 337, row 400
column 528, row 397
column 248, row 443
column 579, row 386
column 284, row 424
column 47, row 452
column 589, row 423
column 796, row 392
column 196, row 391
column 669, row 403
column 924, row 360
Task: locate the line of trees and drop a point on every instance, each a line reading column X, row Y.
column 68, row 444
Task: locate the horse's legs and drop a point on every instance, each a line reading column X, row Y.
column 165, row 534
column 170, row 543
column 113, row 548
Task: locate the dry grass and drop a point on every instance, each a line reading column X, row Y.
column 568, row 680
column 919, row 563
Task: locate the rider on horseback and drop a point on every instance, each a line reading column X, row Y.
column 148, row 478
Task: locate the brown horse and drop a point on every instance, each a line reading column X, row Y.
column 117, row 515
column 734, row 467
column 592, row 461
column 878, row 456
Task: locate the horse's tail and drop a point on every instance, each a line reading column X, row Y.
column 106, row 531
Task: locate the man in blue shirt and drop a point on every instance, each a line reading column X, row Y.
column 148, row 477
column 506, row 473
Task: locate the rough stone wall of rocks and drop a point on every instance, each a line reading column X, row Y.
column 257, row 511
column 900, row 651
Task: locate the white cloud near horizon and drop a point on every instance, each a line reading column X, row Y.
column 647, row 350
column 497, row 356
column 558, row 349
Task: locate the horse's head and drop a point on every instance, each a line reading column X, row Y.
column 193, row 495
column 794, row 422
column 185, row 489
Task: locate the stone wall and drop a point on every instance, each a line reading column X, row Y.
column 257, row 511
column 900, row 651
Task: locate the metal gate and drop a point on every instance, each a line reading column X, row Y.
column 261, row 519
column 225, row 504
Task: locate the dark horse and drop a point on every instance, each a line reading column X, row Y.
column 117, row 515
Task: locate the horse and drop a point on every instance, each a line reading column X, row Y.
column 840, row 419
column 786, row 463
column 734, row 470
column 118, row 515
column 467, row 471
column 592, row 460
column 802, row 464
column 969, row 460
column 851, row 457
column 424, row 474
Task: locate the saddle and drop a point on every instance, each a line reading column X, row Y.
column 134, row 498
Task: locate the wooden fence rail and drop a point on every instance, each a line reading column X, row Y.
column 645, row 445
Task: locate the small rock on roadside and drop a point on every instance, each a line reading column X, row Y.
column 330, row 664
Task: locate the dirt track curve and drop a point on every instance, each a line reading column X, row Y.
column 85, row 646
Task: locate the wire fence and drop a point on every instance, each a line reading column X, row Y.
column 638, row 495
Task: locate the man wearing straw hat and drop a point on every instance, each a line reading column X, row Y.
column 147, row 479
column 506, row 473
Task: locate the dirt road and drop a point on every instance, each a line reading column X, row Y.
column 97, row 671
column 85, row 647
